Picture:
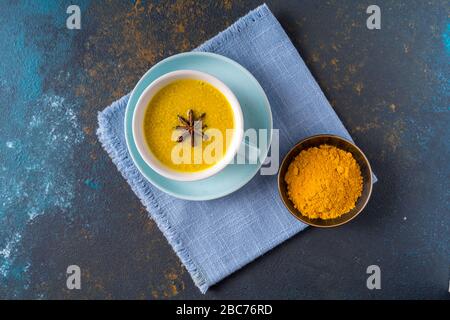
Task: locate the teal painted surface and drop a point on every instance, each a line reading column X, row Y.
column 39, row 126
column 62, row 201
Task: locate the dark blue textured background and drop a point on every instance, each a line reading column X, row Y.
column 62, row 201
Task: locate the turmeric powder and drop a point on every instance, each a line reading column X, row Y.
column 324, row 182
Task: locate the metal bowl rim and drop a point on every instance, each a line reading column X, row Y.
column 300, row 214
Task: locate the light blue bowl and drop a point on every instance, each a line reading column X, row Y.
column 255, row 108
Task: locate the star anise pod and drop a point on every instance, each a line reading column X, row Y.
column 191, row 126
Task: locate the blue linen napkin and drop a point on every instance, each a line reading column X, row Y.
column 217, row 237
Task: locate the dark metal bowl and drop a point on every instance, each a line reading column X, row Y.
column 341, row 143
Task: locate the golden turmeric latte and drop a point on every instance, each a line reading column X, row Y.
column 324, row 182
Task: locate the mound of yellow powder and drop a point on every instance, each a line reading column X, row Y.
column 324, row 182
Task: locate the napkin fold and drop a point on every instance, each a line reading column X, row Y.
column 215, row 238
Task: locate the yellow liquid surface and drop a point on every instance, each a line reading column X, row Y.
column 161, row 119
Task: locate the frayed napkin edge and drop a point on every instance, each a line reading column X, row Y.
column 125, row 165
column 223, row 37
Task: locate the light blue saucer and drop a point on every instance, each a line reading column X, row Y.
column 255, row 107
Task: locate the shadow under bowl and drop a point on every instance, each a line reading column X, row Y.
column 341, row 143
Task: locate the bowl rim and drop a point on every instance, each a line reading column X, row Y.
column 139, row 138
column 283, row 163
